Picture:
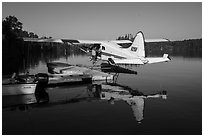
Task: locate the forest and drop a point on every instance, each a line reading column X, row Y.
column 17, row 54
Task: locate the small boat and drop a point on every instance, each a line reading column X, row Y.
column 22, row 84
column 18, row 89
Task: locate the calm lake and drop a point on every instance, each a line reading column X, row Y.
column 167, row 100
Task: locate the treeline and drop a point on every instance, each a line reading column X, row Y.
column 12, row 45
column 18, row 55
column 186, row 48
column 190, row 48
column 13, row 28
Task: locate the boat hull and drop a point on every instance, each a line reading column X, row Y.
column 18, row 89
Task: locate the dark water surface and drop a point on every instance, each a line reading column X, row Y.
column 87, row 109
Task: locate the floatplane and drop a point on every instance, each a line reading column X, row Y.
column 114, row 53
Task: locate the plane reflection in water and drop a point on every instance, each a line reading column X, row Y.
column 110, row 92
column 115, row 92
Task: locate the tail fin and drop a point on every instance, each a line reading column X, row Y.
column 138, row 45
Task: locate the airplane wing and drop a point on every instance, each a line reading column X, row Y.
column 43, row 40
column 97, row 42
column 165, row 58
column 88, row 42
column 120, row 41
column 72, row 41
column 156, row 40
column 140, row 61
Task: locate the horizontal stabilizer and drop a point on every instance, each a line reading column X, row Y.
column 135, row 61
column 165, row 58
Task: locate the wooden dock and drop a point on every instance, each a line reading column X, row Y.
column 62, row 73
column 97, row 75
column 59, row 80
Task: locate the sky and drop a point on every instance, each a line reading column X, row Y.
column 107, row 21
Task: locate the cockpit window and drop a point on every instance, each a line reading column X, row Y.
column 125, row 45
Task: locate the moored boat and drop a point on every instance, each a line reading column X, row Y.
column 18, row 88
column 22, row 84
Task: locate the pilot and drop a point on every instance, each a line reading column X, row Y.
column 93, row 53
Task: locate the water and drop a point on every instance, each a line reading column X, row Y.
column 83, row 109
